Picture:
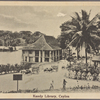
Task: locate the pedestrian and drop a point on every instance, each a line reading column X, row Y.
column 64, row 84
column 69, row 73
column 81, row 87
column 77, row 84
column 52, row 85
column 88, row 86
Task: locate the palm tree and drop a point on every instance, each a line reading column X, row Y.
column 83, row 30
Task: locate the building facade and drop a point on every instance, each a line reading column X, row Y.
column 45, row 49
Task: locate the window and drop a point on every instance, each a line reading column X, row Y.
column 57, row 52
column 46, row 59
column 37, row 53
column 54, row 53
column 41, row 59
column 23, row 52
column 54, row 59
column 25, row 58
column 51, row 53
column 60, row 57
column 57, row 58
column 60, row 52
column 46, row 53
column 36, row 59
column 30, row 59
column 30, row 52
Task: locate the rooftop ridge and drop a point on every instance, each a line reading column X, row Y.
column 44, row 43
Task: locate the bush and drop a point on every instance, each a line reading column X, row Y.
column 85, row 72
column 13, row 68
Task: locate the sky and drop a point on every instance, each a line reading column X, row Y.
column 46, row 19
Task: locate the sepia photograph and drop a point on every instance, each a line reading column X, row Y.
column 49, row 47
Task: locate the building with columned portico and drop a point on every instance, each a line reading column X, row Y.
column 45, row 49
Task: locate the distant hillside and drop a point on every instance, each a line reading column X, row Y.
column 8, row 38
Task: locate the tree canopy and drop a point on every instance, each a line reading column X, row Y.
column 8, row 38
column 81, row 31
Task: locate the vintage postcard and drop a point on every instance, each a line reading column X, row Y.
column 50, row 50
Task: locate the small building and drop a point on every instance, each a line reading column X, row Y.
column 96, row 60
column 45, row 49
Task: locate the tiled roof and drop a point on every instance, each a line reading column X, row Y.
column 44, row 43
column 96, row 58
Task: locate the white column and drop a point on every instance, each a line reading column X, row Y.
column 56, row 54
column 49, row 56
column 53, row 56
column 33, row 56
column 39, row 56
column 23, row 58
column 43, row 56
column 27, row 58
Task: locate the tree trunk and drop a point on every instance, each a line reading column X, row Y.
column 86, row 54
column 77, row 54
column 78, row 50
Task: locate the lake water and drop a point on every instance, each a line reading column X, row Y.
column 11, row 57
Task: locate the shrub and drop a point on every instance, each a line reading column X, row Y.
column 85, row 72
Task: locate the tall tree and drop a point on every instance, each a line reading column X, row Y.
column 61, row 40
column 83, row 30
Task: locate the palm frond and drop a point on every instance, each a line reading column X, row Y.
column 71, row 26
column 92, row 29
column 89, row 48
column 89, row 14
column 78, row 44
column 82, row 31
column 72, row 41
column 82, row 44
column 75, row 42
column 78, row 17
column 91, row 44
column 92, row 21
column 84, row 15
column 68, row 31
column 79, row 33
column 95, row 37
column 98, row 30
column 76, row 23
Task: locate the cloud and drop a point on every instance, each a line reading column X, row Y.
column 11, row 22
column 10, row 19
column 37, row 16
column 61, row 14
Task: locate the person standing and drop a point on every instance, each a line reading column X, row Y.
column 77, row 84
column 52, row 85
column 64, row 84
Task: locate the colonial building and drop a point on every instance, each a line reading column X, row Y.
column 45, row 49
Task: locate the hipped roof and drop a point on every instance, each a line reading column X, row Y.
column 44, row 43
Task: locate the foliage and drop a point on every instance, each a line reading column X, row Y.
column 13, row 68
column 81, row 31
column 83, row 71
column 8, row 38
column 61, row 39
